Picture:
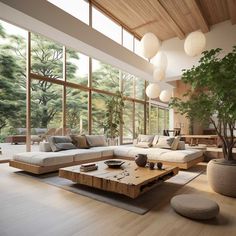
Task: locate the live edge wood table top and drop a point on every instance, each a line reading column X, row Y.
column 129, row 180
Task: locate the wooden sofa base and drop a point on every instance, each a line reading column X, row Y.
column 181, row 165
column 35, row 169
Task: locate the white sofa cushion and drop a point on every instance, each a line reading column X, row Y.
column 44, row 147
column 159, row 154
column 106, row 151
column 87, row 154
column 44, row 158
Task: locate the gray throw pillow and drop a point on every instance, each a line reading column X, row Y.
column 59, row 143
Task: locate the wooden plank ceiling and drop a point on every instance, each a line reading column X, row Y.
column 168, row 18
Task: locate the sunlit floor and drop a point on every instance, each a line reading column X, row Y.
column 31, row 207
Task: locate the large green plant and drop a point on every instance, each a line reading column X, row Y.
column 113, row 116
column 213, row 95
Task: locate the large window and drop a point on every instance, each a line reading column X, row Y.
column 46, row 104
column 77, row 8
column 74, row 99
column 106, row 26
column 105, row 77
column 77, row 67
column 158, row 119
column 12, row 80
column 128, row 40
column 128, row 84
column 98, row 112
column 77, row 110
column 128, row 122
column 46, row 57
column 139, row 119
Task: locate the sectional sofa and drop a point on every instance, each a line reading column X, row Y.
column 46, row 160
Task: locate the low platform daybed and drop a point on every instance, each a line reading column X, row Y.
column 48, row 161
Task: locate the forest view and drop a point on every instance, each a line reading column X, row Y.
column 46, row 97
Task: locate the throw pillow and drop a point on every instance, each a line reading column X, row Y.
column 181, row 145
column 164, row 142
column 145, row 140
column 96, row 140
column 174, row 145
column 155, row 140
column 59, row 143
column 79, row 141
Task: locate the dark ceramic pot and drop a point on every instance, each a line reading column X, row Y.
column 141, row 160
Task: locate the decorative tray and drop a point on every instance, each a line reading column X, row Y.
column 114, row 163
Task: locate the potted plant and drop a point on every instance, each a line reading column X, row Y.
column 213, row 97
column 114, row 117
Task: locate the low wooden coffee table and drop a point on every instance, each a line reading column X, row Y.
column 130, row 180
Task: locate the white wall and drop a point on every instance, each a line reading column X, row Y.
column 222, row 35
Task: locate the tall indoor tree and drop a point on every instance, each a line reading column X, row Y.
column 213, row 95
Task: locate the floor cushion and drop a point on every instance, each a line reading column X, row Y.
column 195, row 206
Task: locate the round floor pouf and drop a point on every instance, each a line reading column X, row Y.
column 195, row 206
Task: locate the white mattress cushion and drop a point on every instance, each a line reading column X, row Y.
column 44, row 158
column 105, row 151
column 174, row 155
column 159, row 154
column 87, row 154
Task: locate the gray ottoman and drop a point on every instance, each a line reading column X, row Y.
column 195, row 206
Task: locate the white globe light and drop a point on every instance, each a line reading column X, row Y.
column 153, row 90
column 165, row 95
column 194, row 44
column 150, row 44
column 160, row 60
column 158, row 74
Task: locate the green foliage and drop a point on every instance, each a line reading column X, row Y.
column 212, row 93
column 113, row 116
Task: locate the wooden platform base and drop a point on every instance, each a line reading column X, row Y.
column 35, row 169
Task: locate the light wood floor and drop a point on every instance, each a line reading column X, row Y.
column 30, row 207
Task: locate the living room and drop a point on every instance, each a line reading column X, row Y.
column 86, row 70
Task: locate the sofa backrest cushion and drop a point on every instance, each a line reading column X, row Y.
column 181, row 145
column 59, row 143
column 175, row 143
column 144, row 141
column 96, row 140
column 155, row 140
column 164, row 142
column 168, row 142
column 79, row 141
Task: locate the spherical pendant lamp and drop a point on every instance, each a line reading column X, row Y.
column 153, row 90
column 194, row 44
column 150, row 44
column 165, row 95
column 160, row 60
column 158, row 74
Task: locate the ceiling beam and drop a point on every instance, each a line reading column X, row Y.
column 198, row 15
column 232, row 10
column 145, row 24
column 169, row 20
